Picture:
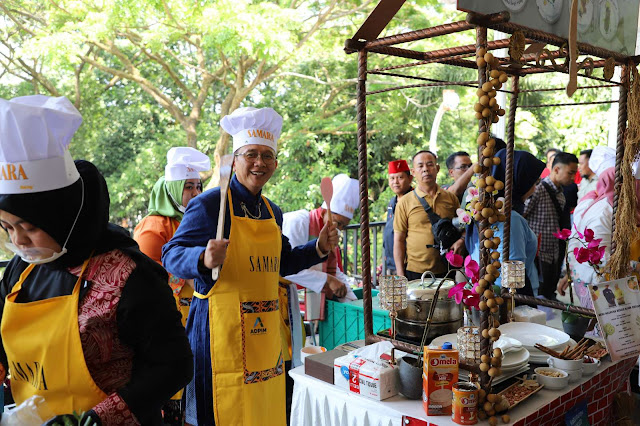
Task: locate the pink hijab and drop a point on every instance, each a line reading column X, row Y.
column 606, row 189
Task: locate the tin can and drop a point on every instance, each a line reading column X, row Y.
column 465, row 404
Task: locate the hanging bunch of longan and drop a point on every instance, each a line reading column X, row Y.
column 490, row 405
column 486, row 207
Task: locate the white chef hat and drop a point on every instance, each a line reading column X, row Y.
column 184, row 162
column 250, row 126
column 35, row 132
column 345, row 196
column 602, row 157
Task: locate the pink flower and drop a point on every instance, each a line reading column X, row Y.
column 562, row 235
column 582, row 254
column 580, row 234
column 594, row 243
column 457, row 292
column 588, row 234
column 472, row 269
column 595, row 255
column 473, row 300
column 454, row 259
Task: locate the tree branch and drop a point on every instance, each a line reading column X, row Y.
column 160, row 61
column 134, row 75
column 16, row 21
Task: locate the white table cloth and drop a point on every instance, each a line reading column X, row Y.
column 317, row 403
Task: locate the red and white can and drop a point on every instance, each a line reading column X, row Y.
column 465, row 404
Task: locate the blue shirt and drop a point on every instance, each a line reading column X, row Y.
column 180, row 257
column 387, row 236
column 522, row 245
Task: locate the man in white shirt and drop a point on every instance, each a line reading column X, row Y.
column 589, row 178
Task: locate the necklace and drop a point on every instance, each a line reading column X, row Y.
column 248, row 213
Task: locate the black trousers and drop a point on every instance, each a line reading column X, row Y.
column 289, row 389
column 550, row 273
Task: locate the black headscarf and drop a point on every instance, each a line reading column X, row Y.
column 55, row 211
column 526, row 171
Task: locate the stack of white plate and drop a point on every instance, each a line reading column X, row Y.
column 531, row 333
column 515, row 356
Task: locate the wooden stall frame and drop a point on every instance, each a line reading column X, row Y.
column 366, row 41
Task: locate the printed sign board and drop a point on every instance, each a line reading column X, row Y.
column 617, row 306
column 610, row 24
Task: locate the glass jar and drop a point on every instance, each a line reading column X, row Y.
column 469, row 344
column 513, row 274
column 393, row 292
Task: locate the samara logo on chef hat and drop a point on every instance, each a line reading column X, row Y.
column 252, row 126
column 184, row 163
column 345, row 196
column 35, row 132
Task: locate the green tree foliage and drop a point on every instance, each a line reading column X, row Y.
column 148, row 75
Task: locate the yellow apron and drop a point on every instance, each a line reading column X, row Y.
column 244, row 326
column 42, row 341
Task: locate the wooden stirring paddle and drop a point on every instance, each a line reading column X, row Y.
column 226, row 163
column 326, row 188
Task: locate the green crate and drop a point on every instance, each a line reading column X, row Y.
column 358, row 292
column 344, row 322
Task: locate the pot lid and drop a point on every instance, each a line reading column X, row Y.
column 424, row 290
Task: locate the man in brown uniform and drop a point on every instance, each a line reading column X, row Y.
column 414, row 251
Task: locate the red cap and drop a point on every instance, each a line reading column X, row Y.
column 398, row 166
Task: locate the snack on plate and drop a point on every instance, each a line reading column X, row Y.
column 596, row 351
column 520, row 391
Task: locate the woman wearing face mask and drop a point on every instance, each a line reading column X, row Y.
column 167, row 204
column 88, row 321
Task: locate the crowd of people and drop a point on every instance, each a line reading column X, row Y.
column 569, row 192
column 197, row 318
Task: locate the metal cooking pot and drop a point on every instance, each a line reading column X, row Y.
column 447, row 317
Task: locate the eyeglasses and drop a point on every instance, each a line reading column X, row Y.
column 463, row 167
column 267, row 157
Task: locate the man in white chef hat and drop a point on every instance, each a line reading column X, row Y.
column 234, row 322
column 301, row 225
column 320, row 281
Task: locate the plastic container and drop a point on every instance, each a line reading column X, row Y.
column 344, row 322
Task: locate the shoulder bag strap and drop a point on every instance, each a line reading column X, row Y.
column 554, row 200
column 433, row 216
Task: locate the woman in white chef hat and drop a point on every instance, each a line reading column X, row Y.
column 234, row 322
column 88, row 321
column 169, row 199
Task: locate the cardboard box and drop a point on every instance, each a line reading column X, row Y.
column 376, row 380
column 320, row 365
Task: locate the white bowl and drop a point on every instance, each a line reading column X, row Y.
column 565, row 364
column 588, row 368
column 551, row 382
column 573, row 367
